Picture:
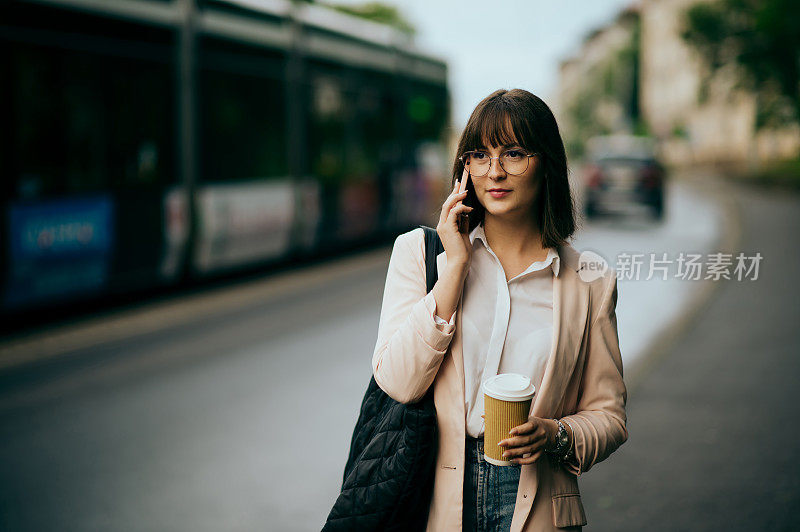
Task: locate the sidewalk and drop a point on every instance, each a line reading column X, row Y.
column 713, row 438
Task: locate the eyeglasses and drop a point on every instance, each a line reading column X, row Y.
column 514, row 162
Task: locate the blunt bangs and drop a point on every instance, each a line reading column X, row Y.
column 498, row 124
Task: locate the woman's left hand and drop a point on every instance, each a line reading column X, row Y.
column 531, row 437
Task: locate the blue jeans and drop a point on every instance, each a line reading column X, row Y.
column 490, row 491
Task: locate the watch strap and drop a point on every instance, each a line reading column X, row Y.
column 562, row 441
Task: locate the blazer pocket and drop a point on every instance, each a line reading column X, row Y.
column 568, row 510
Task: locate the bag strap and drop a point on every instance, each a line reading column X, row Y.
column 433, row 246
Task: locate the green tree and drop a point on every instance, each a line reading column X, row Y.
column 762, row 37
column 377, row 12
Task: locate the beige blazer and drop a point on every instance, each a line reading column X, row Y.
column 582, row 382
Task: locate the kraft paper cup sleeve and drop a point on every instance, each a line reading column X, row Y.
column 507, row 403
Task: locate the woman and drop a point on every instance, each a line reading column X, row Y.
column 508, row 298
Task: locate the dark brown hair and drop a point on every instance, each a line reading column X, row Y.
column 533, row 127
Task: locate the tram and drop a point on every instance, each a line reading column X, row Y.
column 147, row 143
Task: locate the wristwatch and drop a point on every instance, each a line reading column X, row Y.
column 562, row 441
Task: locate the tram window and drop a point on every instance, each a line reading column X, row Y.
column 327, row 131
column 378, row 127
column 427, row 110
column 242, row 128
column 83, row 123
column 141, row 124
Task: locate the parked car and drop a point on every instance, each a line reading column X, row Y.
column 622, row 172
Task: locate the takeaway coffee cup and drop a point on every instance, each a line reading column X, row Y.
column 507, row 402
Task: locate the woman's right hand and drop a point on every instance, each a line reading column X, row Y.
column 456, row 244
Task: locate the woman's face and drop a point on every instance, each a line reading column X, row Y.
column 503, row 194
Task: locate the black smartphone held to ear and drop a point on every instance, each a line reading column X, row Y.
column 463, row 218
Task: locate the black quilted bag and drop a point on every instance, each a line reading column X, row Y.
column 388, row 479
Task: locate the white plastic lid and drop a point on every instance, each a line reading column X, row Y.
column 509, row 387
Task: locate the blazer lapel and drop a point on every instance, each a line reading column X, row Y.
column 570, row 317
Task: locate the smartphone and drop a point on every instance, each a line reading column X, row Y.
column 463, row 218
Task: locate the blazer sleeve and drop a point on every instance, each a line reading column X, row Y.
column 410, row 345
column 599, row 423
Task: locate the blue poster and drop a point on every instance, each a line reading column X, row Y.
column 58, row 249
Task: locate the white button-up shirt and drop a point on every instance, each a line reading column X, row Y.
column 507, row 326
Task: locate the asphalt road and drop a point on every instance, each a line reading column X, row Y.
column 714, row 439
column 219, row 423
column 233, row 411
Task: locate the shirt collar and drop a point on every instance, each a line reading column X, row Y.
column 552, row 254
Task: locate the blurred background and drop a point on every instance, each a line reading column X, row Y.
column 199, row 199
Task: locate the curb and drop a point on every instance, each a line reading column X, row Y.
column 728, row 241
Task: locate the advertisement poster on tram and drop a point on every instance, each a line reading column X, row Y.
column 58, row 248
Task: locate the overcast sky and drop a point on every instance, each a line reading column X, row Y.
column 496, row 44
